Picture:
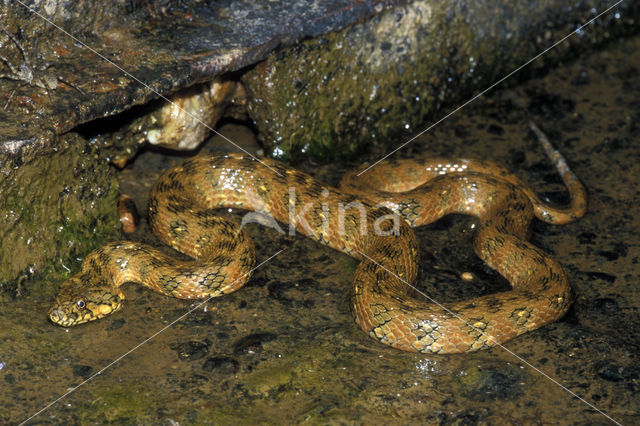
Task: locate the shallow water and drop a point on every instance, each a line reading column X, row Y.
column 285, row 348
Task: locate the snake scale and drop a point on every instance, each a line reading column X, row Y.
column 357, row 220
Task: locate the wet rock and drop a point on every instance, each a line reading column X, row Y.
column 499, row 382
column 581, row 79
column 495, row 130
column 200, row 317
column 293, row 292
column 606, row 305
column 221, row 365
column 613, row 372
column 83, row 371
column 550, row 105
column 586, row 238
column 194, row 381
column 263, row 382
column 192, row 351
column 380, row 80
column 10, row 378
column 132, row 404
column 252, row 343
column 58, row 203
column 470, row 417
column 619, row 250
column 116, row 324
column 161, row 48
column 595, row 275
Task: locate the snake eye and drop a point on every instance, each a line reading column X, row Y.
column 80, row 304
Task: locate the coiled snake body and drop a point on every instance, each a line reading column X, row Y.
column 356, row 221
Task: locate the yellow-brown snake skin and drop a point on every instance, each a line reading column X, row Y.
column 356, row 220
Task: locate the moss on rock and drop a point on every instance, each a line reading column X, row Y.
column 381, row 80
column 59, row 203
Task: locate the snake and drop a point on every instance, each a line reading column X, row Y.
column 370, row 218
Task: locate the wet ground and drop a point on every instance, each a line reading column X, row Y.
column 285, row 349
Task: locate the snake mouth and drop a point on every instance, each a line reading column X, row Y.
column 71, row 314
column 57, row 316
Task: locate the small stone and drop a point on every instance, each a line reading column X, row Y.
column 221, row 365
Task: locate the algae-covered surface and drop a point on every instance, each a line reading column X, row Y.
column 368, row 84
column 284, row 349
column 57, row 203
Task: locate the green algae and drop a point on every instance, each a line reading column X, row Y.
column 492, row 381
column 379, row 82
column 119, row 405
column 312, row 382
column 58, row 206
column 270, row 381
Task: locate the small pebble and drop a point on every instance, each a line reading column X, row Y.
column 466, row 276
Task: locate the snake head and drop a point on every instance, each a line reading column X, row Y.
column 76, row 304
